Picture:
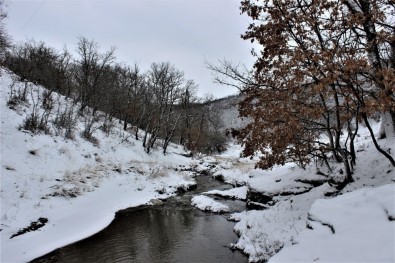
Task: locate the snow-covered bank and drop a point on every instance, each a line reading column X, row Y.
column 75, row 185
column 293, row 191
column 354, row 227
column 264, row 233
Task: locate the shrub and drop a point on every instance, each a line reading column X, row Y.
column 31, row 123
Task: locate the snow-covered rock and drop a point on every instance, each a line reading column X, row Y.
column 206, row 203
column 264, row 233
column 284, row 180
column 234, row 193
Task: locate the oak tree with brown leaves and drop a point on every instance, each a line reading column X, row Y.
column 323, row 67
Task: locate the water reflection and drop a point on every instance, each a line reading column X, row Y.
column 174, row 232
column 156, row 235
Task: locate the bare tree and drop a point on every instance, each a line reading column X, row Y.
column 134, row 108
column 91, row 73
column 165, row 82
column 188, row 108
column 174, row 118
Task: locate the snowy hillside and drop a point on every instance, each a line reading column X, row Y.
column 71, row 188
column 55, row 191
column 229, row 113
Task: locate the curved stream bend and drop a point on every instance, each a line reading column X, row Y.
column 173, row 232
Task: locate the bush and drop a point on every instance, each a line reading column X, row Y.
column 31, row 123
column 47, row 101
column 17, row 94
column 66, row 121
column 89, row 137
column 34, row 124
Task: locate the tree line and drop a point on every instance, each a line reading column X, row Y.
column 159, row 103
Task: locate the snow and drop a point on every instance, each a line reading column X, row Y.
column 264, row 233
column 206, row 203
column 234, row 193
column 360, row 229
column 288, row 179
column 76, row 185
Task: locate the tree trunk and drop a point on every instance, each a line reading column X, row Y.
column 136, row 133
column 389, row 157
column 125, row 123
column 347, row 165
column 387, row 126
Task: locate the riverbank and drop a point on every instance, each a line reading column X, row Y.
column 173, row 231
column 55, row 191
column 285, row 201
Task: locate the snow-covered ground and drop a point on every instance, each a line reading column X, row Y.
column 71, row 189
column 76, row 186
column 364, row 218
column 354, row 227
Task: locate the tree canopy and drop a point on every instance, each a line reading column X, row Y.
column 322, row 67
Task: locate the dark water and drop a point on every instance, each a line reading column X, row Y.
column 173, row 232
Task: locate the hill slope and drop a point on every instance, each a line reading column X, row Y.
column 71, row 188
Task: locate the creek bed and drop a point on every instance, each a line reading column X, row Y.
column 172, row 232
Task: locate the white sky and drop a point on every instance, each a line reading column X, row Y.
column 185, row 33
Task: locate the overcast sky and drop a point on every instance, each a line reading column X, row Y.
column 185, row 33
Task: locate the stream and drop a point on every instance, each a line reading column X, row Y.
column 172, row 232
